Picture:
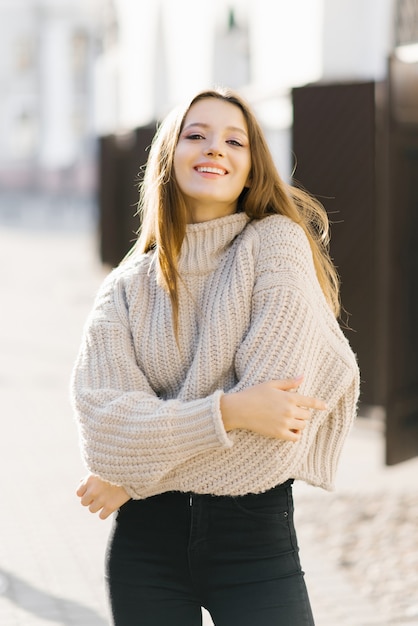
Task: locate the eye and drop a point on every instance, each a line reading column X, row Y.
column 234, row 142
column 194, row 136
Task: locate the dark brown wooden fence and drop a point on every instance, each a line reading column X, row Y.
column 120, row 161
column 356, row 149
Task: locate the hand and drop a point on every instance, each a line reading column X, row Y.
column 100, row 495
column 272, row 409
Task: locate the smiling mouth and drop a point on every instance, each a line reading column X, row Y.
column 211, row 170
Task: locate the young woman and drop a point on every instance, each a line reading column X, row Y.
column 212, row 374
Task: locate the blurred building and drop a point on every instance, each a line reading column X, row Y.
column 157, row 54
column 72, row 70
column 46, row 113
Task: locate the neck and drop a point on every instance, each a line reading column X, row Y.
column 205, row 213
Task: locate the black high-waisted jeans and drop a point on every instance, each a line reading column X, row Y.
column 237, row 556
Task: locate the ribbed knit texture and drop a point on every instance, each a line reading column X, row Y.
column 251, row 310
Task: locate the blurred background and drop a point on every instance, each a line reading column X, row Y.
column 334, row 84
column 73, row 70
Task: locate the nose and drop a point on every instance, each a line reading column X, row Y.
column 213, row 150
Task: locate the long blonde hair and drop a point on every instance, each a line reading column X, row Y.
column 163, row 210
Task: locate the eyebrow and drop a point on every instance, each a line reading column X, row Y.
column 229, row 128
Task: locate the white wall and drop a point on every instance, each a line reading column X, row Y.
column 357, row 38
column 175, row 37
column 285, row 43
column 57, row 149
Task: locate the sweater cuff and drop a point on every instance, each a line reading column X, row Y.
column 224, row 439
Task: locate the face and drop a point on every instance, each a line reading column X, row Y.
column 212, row 160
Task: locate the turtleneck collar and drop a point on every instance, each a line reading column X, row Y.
column 205, row 243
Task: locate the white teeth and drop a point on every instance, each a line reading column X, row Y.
column 211, row 170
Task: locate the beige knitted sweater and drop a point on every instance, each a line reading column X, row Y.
column 251, row 310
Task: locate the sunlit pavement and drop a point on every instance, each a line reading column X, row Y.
column 51, row 549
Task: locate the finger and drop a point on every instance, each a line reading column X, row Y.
column 81, row 490
column 299, row 425
column 105, row 512
column 288, row 383
column 87, row 499
column 293, row 412
column 300, row 413
column 95, row 506
column 308, row 402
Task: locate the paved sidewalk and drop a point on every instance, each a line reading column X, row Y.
column 51, row 550
column 359, row 544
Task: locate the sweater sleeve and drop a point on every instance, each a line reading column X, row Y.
column 129, row 436
column 293, row 331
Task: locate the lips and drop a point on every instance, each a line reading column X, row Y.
column 210, row 169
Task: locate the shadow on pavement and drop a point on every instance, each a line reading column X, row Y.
column 44, row 605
